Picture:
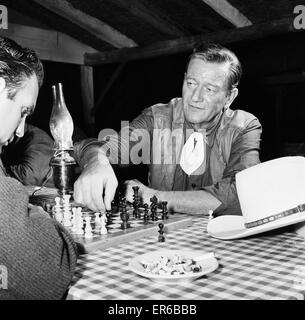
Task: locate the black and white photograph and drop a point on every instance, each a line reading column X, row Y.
column 152, row 153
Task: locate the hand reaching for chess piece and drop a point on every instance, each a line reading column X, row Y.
column 145, row 192
column 96, row 186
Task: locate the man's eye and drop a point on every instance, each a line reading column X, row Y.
column 211, row 89
column 191, row 83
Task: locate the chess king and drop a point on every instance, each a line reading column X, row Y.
column 223, row 142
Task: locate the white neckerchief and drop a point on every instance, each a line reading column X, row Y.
column 193, row 153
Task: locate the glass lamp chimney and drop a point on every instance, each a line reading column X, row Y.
column 61, row 123
column 61, row 127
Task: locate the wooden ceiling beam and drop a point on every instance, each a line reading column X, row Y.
column 150, row 16
column 92, row 25
column 230, row 13
column 165, row 48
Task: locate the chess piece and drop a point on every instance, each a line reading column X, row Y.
column 124, row 217
column 164, row 210
column 161, row 237
column 79, row 223
column 136, row 200
column 67, row 210
column 108, row 216
column 103, row 221
column 146, row 215
column 154, row 202
column 113, row 207
column 97, row 220
column 88, row 228
column 57, row 210
column 154, row 216
column 73, row 220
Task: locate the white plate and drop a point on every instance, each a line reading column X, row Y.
column 209, row 263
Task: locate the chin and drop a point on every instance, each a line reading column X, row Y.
column 194, row 119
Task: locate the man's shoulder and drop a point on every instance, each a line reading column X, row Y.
column 239, row 119
column 165, row 109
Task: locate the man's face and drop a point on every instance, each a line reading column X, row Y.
column 14, row 112
column 204, row 91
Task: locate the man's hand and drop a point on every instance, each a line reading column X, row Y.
column 95, row 188
column 145, row 193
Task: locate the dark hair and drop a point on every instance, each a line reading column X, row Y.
column 215, row 53
column 17, row 64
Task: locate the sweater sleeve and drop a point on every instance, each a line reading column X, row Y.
column 39, row 254
column 28, row 158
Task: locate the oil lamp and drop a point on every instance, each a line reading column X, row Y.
column 61, row 126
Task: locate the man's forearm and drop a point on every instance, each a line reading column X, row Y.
column 189, row 202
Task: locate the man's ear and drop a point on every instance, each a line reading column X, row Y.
column 231, row 97
column 2, row 84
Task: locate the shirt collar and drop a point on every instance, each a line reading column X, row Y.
column 210, row 132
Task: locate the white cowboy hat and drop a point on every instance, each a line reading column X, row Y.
column 271, row 196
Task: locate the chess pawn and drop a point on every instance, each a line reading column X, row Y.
column 161, row 237
column 88, row 228
column 57, row 211
column 154, row 216
column 103, row 221
column 58, row 215
column 146, row 215
column 74, row 220
column 79, row 223
column 125, row 217
column 97, row 220
column 67, row 217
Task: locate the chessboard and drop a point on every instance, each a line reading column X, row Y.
column 124, row 223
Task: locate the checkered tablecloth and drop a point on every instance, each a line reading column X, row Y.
column 270, row 266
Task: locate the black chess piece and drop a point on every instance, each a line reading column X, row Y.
column 146, row 215
column 114, row 207
column 164, row 210
column 124, row 217
column 154, row 215
column 154, row 202
column 161, row 237
column 109, row 218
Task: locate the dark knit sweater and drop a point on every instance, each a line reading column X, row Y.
column 39, row 254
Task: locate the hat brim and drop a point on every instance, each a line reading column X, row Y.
column 231, row 227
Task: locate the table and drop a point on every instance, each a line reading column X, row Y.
column 268, row 266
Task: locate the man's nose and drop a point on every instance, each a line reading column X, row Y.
column 198, row 94
column 20, row 129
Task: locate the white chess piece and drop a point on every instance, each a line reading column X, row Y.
column 97, row 220
column 103, row 221
column 88, row 228
column 79, row 223
column 58, row 214
column 73, row 221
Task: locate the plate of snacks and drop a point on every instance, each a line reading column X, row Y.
column 172, row 266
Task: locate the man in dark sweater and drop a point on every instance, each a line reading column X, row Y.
column 37, row 255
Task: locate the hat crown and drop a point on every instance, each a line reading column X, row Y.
column 271, row 187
